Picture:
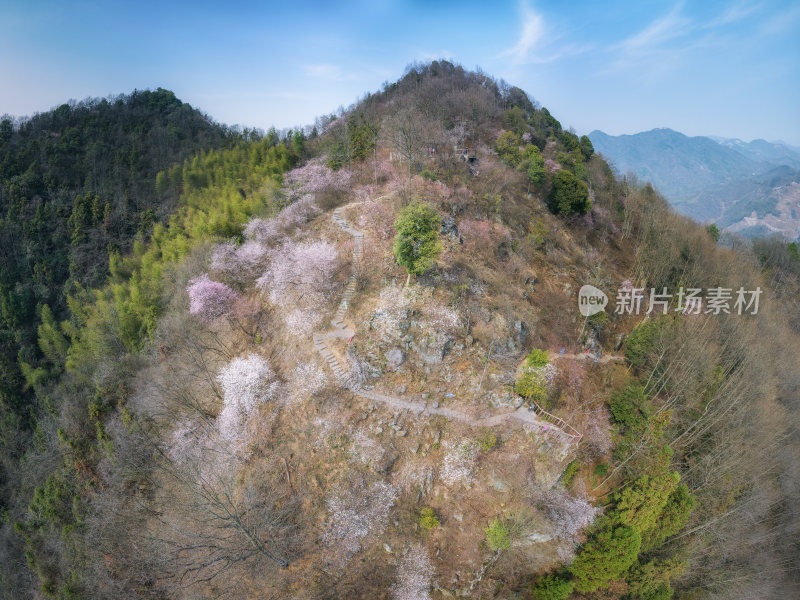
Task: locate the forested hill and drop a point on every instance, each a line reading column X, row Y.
column 77, row 183
column 352, row 365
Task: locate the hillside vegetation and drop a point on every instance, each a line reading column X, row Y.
column 348, row 363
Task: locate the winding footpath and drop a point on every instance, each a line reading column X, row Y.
column 535, row 418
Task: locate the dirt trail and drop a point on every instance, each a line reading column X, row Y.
column 590, row 357
column 527, row 418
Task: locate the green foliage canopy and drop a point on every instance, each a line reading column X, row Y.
column 569, row 195
column 416, row 244
column 552, row 587
column 607, row 555
column 498, row 535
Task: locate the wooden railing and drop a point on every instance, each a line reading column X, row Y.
column 574, row 435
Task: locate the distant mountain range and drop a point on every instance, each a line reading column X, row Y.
column 751, row 188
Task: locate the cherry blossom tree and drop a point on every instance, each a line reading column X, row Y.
column 241, row 264
column 596, row 427
column 414, row 575
column 246, row 383
column 308, row 378
column 365, row 448
column 300, row 321
column 300, row 277
column 568, row 513
column 358, row 511
column 269, row 232
column 208, row 299
column 314, row 177
column 300, row 269
column 459, row 463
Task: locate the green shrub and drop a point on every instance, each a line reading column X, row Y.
column 428, row 518
column 507, row 146
column 713, row 231
column 537, row 358
column 416, row 245
column 651, row 581
column 642, row 341
column 587, row 149
column 532, row 163
column 487, row 439
column 569, row 473
column 569, row 195
column 640, row 503
column 630, row 407
column 672, row 519
column 427, row 175
column 601, row 470
column 552, row 587
column 531, row 385
column 498, row 535
column 598, row 320
column 607, row 555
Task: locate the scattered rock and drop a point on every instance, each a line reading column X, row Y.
column 449, row 228
column 497, row 484
column 433, row 347
column 384, row 465
column 619, row 341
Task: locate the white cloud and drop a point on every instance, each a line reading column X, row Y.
column 781, row 22
column 657, row 33
column 532, row 33
column 737, row 12
column 324, row 71
column 652, row 51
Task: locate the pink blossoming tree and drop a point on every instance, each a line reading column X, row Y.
column 300, row 276
column 208, row 299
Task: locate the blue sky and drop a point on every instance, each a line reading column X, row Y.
column 705, row 68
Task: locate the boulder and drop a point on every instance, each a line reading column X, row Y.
column 394, row 358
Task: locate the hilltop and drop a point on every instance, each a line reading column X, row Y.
column 348, row 362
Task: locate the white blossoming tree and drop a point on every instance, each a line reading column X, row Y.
column 301, row 277
column 246, row 383
column 358, row 511
column 414, row 575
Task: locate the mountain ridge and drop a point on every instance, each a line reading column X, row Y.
column 712, row 179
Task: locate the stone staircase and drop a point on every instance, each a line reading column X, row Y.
column 341, row 330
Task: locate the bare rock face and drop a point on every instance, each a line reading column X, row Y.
column 385, row 463
column 619, row 340
column 394, row 358
column 432, row 347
